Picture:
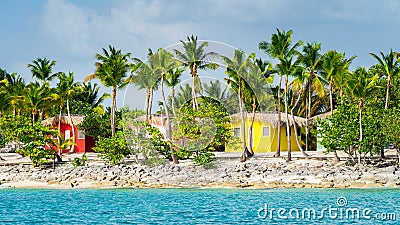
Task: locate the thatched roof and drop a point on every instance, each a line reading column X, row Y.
column 320, row 116
column 270, row 118
column 76, row 119
column 155, row 119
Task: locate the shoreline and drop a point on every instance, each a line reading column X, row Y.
column 256, row 173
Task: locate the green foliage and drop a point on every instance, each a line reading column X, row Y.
column 31, row 137
column 202, row 130
column 80, row 161
column 113, row 149
column 96, row 125
column 340, row 130
column 204, row 158
column 207, row 128
column 143, row 140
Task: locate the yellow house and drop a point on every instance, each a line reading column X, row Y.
column 265, row 132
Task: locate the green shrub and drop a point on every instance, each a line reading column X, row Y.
column 112, row 149
column 80, row 161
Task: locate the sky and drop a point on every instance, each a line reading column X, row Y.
column 71, row 32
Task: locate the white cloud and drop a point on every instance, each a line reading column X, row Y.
column 132, row 26
column 247, row 11
column 67, row 25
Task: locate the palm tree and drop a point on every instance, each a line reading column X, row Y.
column 335, row 66
column 16, row 88
column 171, row 81
column 163, row 62
column 184, row 93
column 194, row 57
column 280, row 47
column 361, row 86
column 311, row 59
column 298, row 89
column 143, row 77
column 65, row 90
column 41, row 69
column 89, row 93
column 256, row 87
column 390, row 65
column 111, row 69
column 236, row 68
column 37, row 98
column 214, row 90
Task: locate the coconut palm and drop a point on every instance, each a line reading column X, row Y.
column 163, row 62
column 256, row 89
column 65, row 90
column 195, row 57
column 37, row 99
column 143, row 77
column 298, row 89
column 41, row 69
column 111, row 69
column 183, row 95
column 390, row 66
column 15, row 90
column 215, row 90
column 311, row 59
column 280, row 47
column 360, row 86
column 335, row 66
column 236, row 68
column 171, row 81
column 89, row 93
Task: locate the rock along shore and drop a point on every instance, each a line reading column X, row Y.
column 255, row 173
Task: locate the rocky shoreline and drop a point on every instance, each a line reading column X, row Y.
column 230, row 173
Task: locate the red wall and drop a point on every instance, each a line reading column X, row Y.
column 82, row 145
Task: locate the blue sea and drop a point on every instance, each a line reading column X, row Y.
column 200, row 206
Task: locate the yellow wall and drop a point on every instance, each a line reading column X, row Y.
column 263, row 143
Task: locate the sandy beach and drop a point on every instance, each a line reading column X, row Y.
column 260, row 171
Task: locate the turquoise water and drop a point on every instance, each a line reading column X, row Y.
column 200, row 206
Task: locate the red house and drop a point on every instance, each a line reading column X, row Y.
column 83, row 142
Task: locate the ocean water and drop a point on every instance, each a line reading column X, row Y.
column 200, row 206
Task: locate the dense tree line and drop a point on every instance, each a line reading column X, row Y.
column 310, row 82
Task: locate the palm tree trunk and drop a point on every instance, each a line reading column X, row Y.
column 173, row 101
column 251, row 138
column 169, row 127
column 295, row 128
column 289, row 157
column 278, row 147
column 151, row 102
column 308, row 117
column 147, row 104
column 114, row 95
column 387, row 93
column 243, row 126
column 72, row 127
column 59, row 127
column 360, row 106
column 194, row 74
column 335, row 155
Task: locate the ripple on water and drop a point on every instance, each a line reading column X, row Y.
column 186, row 206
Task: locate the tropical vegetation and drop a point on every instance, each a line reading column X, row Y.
column 359, row 105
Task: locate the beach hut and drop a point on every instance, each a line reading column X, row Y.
column 83, row 142
column 265, row 132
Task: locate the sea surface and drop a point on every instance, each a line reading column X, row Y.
column 200, row 206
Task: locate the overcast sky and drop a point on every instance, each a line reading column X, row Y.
column 73, row 31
